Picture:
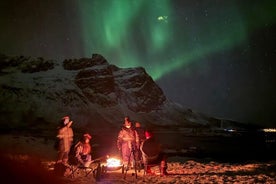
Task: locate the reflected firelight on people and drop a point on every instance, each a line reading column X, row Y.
column 128, row 143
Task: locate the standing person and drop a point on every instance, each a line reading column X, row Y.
column 65, row 136
column 152, row 153
column 83, row 150
column 141, row 133
column 128, row 143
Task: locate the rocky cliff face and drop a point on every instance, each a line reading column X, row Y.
column 108, row 85
column 90, row 90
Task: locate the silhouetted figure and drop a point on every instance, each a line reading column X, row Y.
column 152, row 153
column 141, row 134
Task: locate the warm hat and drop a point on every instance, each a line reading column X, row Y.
column 87, row 136
column 65, row 117
column 148, row 134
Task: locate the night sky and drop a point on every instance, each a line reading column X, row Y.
column 212, row 56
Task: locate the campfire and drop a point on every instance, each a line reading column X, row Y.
column 113, row 164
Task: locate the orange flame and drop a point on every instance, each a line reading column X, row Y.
column 113, row 162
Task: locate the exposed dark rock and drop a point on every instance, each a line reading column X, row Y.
column 108, row 85
column 97, row 84
column 36, row 65
column 26, row 64
column 144, row 91
column 77, row 64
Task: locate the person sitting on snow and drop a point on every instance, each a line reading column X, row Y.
column 152, row 153
column 83, row 151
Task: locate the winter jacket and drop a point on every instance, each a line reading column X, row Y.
column 65, row 134
column 128, row 135
column 82, row 152
column 128, row 141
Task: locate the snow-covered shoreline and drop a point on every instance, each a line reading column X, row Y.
column 180, row 169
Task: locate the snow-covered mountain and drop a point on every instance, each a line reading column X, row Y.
column 93, row 92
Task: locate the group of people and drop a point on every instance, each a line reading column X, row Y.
column 137, row 146
column 82, row 150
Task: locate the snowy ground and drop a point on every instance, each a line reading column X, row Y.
column 191, row 171
column 180, row 169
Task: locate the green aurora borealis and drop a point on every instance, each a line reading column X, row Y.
column 161, row 36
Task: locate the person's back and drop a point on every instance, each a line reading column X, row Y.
column 151, row 148
column 152, row 153
column 140, row 131
column 141, row 134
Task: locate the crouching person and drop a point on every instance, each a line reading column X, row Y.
column 83, row 151
column 152, row 154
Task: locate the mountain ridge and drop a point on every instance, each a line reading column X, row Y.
column 91, row 91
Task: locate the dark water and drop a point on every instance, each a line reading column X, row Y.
column 243, row 146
